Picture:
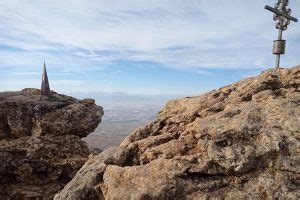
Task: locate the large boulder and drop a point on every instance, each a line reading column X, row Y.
column 238, row 142
column 40, row 142
column 27, row 113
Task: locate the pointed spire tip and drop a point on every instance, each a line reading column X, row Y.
column 45, row 88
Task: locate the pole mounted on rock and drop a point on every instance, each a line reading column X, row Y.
column 45, row 88
column 282, row 14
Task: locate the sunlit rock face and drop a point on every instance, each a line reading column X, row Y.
column 40, row 145
column 238, row 142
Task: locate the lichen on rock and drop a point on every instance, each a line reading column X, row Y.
column 238, row 142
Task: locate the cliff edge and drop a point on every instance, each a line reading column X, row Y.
column 238, row 142
column 40, row 145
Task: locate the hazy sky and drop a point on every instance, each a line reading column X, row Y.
column 138, row 46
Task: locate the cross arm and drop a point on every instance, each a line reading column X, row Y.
column 269, row 8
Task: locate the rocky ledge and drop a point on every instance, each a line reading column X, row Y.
column 238, row 142
column 40, row 145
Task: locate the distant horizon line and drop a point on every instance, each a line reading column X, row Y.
column 111, row 93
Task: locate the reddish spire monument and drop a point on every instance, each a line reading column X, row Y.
column 45, row 88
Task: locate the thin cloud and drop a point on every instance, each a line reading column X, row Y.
column 111, row 30
column 26, row 73
column 204, row 72
column 79, row 38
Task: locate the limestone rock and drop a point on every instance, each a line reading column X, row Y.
column 238, row 142
column 40, row 145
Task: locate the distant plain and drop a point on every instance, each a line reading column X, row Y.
column 123, row 113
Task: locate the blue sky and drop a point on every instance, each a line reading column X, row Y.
column 174, row 47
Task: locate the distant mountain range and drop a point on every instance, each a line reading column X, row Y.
column 120, row 99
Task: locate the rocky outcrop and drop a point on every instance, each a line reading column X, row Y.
column 40, row 145
column 238, row 142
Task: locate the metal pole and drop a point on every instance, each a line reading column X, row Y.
column 278, row 56
column 277, row 61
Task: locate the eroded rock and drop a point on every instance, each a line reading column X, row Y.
column 40, row 145
column 238, row 142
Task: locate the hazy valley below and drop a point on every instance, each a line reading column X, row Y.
column 123, row 113
column 118, row 122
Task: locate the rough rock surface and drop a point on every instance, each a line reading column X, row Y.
column 40, row 145
column 238, row 142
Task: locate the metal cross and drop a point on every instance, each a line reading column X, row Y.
column 282, row 14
